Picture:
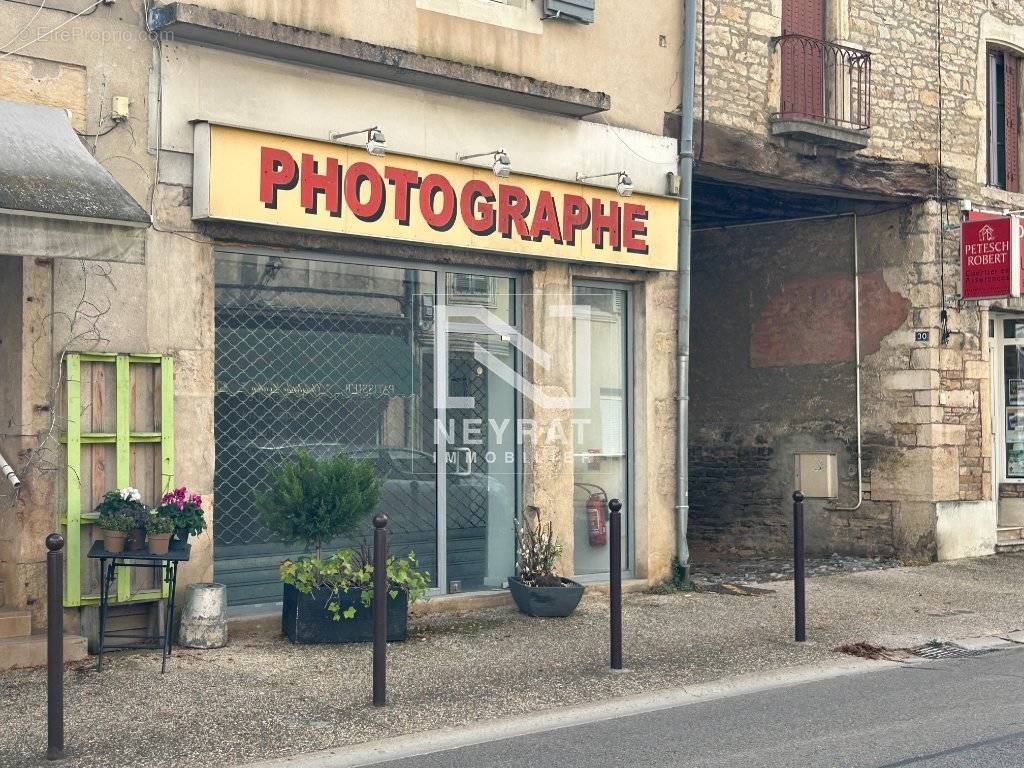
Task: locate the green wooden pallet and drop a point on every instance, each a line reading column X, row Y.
column 122, row 440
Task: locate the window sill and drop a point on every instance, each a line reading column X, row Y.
column 819, row 133
column 516, row 18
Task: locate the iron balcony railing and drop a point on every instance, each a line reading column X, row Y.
column 825, row 82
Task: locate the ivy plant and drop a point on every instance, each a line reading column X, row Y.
column 350, row 571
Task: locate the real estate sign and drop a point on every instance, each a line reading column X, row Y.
column 990, row 257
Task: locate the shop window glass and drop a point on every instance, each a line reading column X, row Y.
column 327, row 357
column 1013, row 382
column 601, row 439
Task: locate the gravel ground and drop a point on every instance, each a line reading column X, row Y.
column 262, row 697
column 758, row 570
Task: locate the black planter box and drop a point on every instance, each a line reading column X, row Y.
column 305, row 620
column 546, row 602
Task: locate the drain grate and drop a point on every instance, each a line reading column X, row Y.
column 937, row 650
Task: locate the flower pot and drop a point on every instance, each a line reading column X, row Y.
column 136, row 539
column 305, row 619
column 113, row 541
column 181, row 534
column 159, row 543
column 547, row 602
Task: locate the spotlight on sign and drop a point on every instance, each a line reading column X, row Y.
column 623, row 185
column 502, row 166
column 375, row 143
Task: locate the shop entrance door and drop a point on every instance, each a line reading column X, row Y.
column 477, row 432
column 1007, row 335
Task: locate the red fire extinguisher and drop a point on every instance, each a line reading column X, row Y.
column 597, row 520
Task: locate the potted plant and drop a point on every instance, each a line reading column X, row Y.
column 159, row 529
column 115, row 528
column 186, row 509
column 331, row 601
column 537, row 589
column 127, row 502
column 313, row 501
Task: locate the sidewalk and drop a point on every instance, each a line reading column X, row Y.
column 261, row 697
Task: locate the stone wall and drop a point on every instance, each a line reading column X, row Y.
column 741, row 82
column 774, row 373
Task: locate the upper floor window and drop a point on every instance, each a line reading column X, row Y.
column 511, row 14
column 1003, row 123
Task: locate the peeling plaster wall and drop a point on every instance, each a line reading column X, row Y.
column 773, row 374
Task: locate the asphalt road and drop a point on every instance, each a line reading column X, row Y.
column 967, row 713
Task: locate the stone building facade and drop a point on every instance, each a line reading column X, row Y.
column 933, row 441
column 259, row 318
column 834, row 143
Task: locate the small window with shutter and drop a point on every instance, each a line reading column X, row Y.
column 571, row 10
column 1003, row 119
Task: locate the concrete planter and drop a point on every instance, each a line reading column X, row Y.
column 305, row 619
column 204, row 619
column 547, row 602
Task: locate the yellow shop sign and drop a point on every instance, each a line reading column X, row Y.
column 260, row 178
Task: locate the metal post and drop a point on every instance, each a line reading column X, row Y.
column 54, row 647
column 380, row 610
column 798, row 567
column 615, row 580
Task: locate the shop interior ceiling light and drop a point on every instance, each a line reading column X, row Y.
column 624, row 184
column 375, row 142
column 502, row 166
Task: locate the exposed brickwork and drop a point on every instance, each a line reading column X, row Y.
column 808, row 320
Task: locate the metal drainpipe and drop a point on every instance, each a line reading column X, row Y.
column 856, row 335
column 683, row 302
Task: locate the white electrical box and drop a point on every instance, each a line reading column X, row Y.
column 119, row 108
column 816, row 476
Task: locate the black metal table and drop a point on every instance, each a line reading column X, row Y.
column 168, row 564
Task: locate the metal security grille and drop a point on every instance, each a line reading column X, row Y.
column 329, row 358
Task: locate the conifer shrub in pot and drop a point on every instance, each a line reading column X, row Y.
column 329, row 600
column 537, row 589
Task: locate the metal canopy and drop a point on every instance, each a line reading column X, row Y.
column 46, row 171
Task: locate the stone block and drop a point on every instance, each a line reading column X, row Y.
column 976, row 369
column 941, row 434
column 903, row 380
column 917, row 474
column 959, row 398
column 763, row 23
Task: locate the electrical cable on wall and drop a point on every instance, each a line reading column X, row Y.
column 84, row 12
column 27, row 25
column 944, row 332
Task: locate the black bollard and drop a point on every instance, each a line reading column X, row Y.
column 54, row 647
column 615, row 579
column 380, row 610
column 799, row 594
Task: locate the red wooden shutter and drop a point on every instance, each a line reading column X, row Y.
column 1011, row 125
column 802, row 62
